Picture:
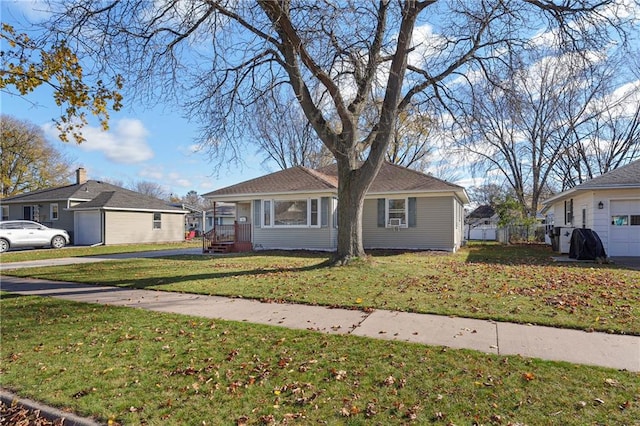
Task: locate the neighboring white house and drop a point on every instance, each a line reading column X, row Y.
column 608, row 204
column 296, row 208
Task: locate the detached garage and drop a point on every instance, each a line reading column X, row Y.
column 608, row 204
column 121, row 217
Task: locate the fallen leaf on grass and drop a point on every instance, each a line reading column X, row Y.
column 339, row 374
column 528, row 376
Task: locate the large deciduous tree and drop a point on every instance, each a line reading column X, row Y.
column 283, row 134
column 546, row 117
column 339, row 59
column 29, row 162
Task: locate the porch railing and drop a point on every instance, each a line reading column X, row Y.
column 229, row 234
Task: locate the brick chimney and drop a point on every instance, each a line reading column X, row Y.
column 81, row 176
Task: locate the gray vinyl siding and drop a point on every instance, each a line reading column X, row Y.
column 434, row 230
column 293, row 238
column 65, row 217
column 124, row 227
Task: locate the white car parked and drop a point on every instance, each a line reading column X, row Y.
column 25, row 233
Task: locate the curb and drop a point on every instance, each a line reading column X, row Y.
column 47, row 412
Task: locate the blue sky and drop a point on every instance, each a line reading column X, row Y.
column 142, row 144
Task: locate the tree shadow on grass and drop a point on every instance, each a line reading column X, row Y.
column 179, row 276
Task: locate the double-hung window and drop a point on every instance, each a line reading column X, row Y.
column 53, row 211
column 157, row 221
column 291, row 213
column 396, row 212
column 5, row 212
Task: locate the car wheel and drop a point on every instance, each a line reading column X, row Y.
column 58, row 242
column 4, row 245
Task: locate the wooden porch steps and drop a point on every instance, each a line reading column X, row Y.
column 220, row 247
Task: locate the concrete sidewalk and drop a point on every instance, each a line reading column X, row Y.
column 601, row 349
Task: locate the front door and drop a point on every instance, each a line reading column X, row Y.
column 27, row 212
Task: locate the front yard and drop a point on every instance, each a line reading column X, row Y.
column 138, row 367
column 516, row 283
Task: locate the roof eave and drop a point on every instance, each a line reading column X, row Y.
column 260, row 195
column 146, row 210
column 568, row 193
column 461, row 193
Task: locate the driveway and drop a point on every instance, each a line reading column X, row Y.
column 99, row 258
column 627, row 261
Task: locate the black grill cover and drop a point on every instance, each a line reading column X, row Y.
column 586, row 245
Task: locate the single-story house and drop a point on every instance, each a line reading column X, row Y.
column 96, row 212
column 296, row 208
column 608, row 204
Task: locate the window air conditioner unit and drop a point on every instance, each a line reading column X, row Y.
column 395, row 221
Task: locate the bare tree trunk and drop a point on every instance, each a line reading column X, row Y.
column 350, row 207
column 351, row 193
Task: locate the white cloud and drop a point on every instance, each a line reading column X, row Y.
column 124, row 143
column 190, row 149
column 33, row 10
column 151, row 173
column 178, row 180
column 426, row 44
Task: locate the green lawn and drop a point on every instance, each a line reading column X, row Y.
column 140, row 367
column 515, row 283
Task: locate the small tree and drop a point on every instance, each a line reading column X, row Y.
column 513, row 216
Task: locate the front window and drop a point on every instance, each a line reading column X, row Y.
column 5, row 212
column 157, row 221
column 53, row 211
column 291, row 213
column 397, row 212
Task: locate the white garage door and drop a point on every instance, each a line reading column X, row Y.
column 87, row 229
column 624, row 234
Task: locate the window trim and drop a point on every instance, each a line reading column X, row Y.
column 387, row 220
column 54, row 207
column 268, row 211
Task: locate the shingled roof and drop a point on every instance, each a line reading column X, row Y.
column 94, row 194
column 391, row 179
column 80, row 192
column 623, row 177
column 394, row 178
column 295, row 179
column 126, row 200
